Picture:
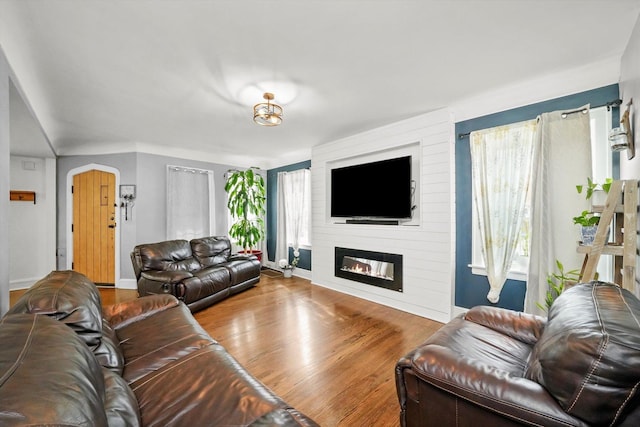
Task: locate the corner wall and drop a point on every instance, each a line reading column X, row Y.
column 630, row 89
column 32, row 231
column 426, row 247
column 4, row 183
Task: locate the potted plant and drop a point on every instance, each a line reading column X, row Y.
column 288, row 268
column 558, row 282
column 591, row 189
column 247, row 196
column 589, row 221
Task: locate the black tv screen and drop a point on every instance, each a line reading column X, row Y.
column 372, row 190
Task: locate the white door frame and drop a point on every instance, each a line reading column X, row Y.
column 70, row 175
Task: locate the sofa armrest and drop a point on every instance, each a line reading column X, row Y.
column 125, row 313
column 524, row 327
column 242, row 257
column 483, row 385
column 166, row 276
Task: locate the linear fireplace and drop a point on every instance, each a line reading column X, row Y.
column 374, row 268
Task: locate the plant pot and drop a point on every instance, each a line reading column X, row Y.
column 255, row 252
column 288, row 272
column 588, row 234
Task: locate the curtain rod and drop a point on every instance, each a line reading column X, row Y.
column 614, row 103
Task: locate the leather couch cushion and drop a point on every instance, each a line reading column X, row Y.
column 211, row 250
column 69, row 297
column 49, row 376
column 161, row 338
column 120, row 403
column 172, row 255
column 588, row 356
column 108, row 352
column 208, row 281
column 124, row 313
column 222, row 393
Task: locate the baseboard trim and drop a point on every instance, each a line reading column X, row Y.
column 15, row 285
column 127, row 284
column 459, row 310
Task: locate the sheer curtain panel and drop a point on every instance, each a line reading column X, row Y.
column 190, row 203
column 294, row 211
column 501, row 160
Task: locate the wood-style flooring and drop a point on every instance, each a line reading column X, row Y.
column 330, row 355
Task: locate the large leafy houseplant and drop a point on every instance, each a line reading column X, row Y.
column 246, row 203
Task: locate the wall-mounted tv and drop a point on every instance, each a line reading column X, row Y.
column 381, row 189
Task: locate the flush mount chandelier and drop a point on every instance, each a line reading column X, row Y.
column 267, row 113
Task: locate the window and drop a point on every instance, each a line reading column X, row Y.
column 602, row 168
column 296, row 192
column 190, row 203
column 293, row 212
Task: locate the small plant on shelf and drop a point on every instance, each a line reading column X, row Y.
column 586, row 219
column 592, row 187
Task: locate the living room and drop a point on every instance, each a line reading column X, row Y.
column 428, row 245
column 145, row 168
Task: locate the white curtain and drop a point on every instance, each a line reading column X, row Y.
column 562, row 159
column 190, row 203
column 294, row 211
column 501, row 160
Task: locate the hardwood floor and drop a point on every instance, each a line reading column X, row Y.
column 330, row 355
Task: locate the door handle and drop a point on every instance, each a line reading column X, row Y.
column 111, row 226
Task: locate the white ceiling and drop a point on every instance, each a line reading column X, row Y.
column 182, row 75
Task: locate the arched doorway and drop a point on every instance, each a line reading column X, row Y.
column 92, row 214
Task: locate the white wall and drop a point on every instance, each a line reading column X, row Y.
column 426, row 247
column 4, row 183
column 630, row 89
column 32, row 230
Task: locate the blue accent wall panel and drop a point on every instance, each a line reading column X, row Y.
column 272, row 213
column 471, row 289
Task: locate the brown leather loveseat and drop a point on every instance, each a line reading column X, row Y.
column 199, row 272
column 496, row 367
column 66, row 360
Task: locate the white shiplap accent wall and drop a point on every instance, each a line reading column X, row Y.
column 427, row 246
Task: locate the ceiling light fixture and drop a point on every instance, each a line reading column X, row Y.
column 267, row 114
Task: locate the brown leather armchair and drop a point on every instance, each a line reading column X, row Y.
column 496, row 367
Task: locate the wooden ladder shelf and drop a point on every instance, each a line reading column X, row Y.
column 621, row 209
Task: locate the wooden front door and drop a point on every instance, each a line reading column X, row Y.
column 94, row 225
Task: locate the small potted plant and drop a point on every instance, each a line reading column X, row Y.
column 589, row 226
column 595, row 190
column 287, row 269
column 589, row 221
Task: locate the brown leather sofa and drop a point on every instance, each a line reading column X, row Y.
column 496, row 367
column 66, row 360
column 199, row 272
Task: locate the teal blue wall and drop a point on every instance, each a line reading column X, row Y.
column 471, row 289
column 272, row 214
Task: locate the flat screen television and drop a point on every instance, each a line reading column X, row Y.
column 381, row 189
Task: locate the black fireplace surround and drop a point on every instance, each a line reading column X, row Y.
column 373, row 268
